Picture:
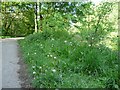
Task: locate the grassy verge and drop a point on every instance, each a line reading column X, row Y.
column 56, row 60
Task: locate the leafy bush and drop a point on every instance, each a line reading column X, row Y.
column 56, row 60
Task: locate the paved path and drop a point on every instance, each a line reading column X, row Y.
column 10, row 66
column 0, row 65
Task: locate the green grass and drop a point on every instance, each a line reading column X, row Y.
column 5, row 37
column 56, row 60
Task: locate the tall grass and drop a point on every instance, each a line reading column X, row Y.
column 56, row 60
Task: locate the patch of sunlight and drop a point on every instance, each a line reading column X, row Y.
column 111, row 0
column 89, row 18
column 112, row 34
column 79, row 24
column 109, row 40
column 96, row 2
column 113, row 16
column 73, row 30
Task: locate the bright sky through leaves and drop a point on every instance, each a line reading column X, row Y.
column 96, row 2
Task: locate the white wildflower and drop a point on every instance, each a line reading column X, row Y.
column 34, row 72
column 89, row 45
column 55, row 57
column 65, row 41
column 34, row 53
column 51, row 56
column 48, row 55
column 33, row 66
column 53, row 70
column 52, row 38
column 40, row 67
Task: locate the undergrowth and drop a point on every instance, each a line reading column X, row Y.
column 56, row 60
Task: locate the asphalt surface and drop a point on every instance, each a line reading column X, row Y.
column 0, row 65
column 10, row 66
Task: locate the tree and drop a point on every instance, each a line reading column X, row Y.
column 17, row 18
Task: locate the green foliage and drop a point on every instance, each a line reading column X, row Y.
column 56, row 60
column 58, row 57
column 5, row 37
column 17, row 18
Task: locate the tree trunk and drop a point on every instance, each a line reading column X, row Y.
column 41, row 18
column 35, row 17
